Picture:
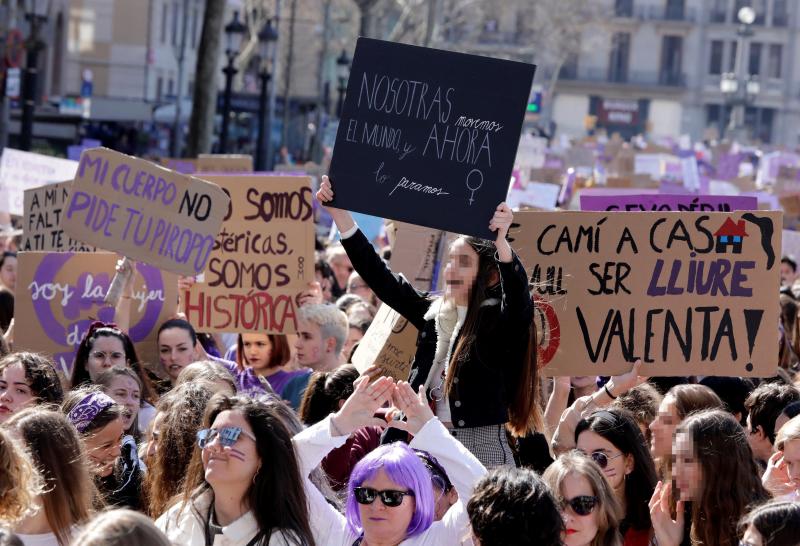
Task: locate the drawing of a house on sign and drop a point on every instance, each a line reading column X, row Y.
column 730, row 236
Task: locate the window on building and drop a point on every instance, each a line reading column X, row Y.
column 171, row 88
column 671, row 60
column 780, row 13
column 734, row 50
column 623, row 8
column 164, row 19
column 774, row 60
column 719, row 11
column 190, row 88
column 675, row 10
column 754, row 59
column 175, row 19
column 759, row 122
column 159, row 88
column 620, row 54
column 715, row 63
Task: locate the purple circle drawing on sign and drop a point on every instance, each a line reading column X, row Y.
column 87, row 294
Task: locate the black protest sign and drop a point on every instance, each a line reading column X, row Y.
column 429, row 137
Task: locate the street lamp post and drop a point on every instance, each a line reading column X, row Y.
column 342, row 72
column 267, row 38
column 234, row 33
column 36, row 15
column 739, row 88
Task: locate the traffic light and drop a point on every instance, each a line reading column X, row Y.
column 535, row 103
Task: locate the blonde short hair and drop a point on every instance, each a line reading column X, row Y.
column 331, row 321
column 789, row 431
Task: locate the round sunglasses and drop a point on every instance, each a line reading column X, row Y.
column 390, row 498
column 601, row 458
column 582, row 505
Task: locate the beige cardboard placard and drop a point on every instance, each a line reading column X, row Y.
column 390, row 343
column 688, row 293
column 210, row 163
column 263, row 258
column 416, row 254
column 41, row 222
column 143, row 211
column 59, row 294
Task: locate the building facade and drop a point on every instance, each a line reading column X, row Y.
column 655, row 67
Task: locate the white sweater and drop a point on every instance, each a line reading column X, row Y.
column 330, row 527
column 183, row 528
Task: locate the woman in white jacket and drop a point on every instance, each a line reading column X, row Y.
column 243, row 484
column 390, row 500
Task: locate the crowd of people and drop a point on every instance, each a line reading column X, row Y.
column 271, row 439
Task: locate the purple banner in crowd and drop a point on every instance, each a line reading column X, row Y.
column 658, row 202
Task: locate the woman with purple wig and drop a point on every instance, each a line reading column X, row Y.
column 390, row 500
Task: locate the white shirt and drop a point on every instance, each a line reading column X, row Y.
column 45, row 539
column 184, row 528
column 330, row 527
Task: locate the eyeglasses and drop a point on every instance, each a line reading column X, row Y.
column 582, row 505
column 227, row 436
column 101, row 355
column 389, row 497
column 602, row 459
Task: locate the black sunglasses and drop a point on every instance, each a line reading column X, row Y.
column 389, row 497
column 582, row 505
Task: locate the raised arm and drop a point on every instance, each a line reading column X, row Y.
column 314, row 443
column 392, row 289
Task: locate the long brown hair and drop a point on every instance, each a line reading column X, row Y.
column 60, row 457
column 524, row 413
column 276, row 498
column 183, row 409
column 731, row 483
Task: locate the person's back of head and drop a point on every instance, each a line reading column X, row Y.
column 324, row 392
column 642, row 402
column 733, row 391
column 58, row 453
column 20, row 482
column 121, row 528
column 513, row 506
column 777, row 523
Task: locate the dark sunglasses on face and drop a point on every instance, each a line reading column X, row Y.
column 602, row 459
column 227, row 436
column 582, row 505
column 389, row 497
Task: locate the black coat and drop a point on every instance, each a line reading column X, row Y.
column 486, row 380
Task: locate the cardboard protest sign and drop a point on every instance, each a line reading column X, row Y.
column 428, row 137
column 535, row 194
column 262, row 259
column 210, row 163
column 41, row 224
column 143, row 211
column 390, row 343
column 417, row 253
column 689, row 293
column 20, row 171
column 674, row 202
column 59, row 294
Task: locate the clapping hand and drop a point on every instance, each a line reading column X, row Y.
column 413, row 405
column 359, row 409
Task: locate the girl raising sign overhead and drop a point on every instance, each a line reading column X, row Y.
column 476, row 352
